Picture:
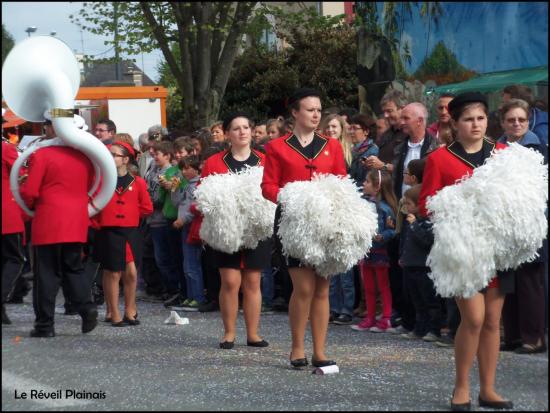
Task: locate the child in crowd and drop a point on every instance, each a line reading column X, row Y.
column 416, row 242
column 160, row 225
column 374, row 268
column 183, row 197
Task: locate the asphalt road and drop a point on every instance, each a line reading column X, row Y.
column 155, row 366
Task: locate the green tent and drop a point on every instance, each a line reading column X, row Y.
column 494, row 81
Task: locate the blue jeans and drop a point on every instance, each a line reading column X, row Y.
column 267, row 286
column 192, row 267
column 342, row 293
column 165, row 259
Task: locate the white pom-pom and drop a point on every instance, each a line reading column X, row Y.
column 325, row 223
column 236, row 215
column 493, row 220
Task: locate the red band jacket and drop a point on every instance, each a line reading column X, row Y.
column 12, row 214
column 445, row 166
column 128, row 204
column 57, row 190
column 220, row 163
column 286, row 162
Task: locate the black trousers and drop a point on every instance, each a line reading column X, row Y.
column 523, row 311
column 210, row 275
column 13, row 261
column 427, row 305
column 148, row 268
column 453, row 316
column 52, row 264
column 401, row 300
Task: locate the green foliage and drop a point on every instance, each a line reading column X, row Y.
column 321, row 54
column 7, row 43
column 442, row 66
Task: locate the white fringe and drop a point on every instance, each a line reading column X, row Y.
column 494, row 220
column 326, row 224
column 236, row 215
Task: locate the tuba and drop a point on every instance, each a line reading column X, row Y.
column 41, row 73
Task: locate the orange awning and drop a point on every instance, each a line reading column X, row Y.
column 11, row 119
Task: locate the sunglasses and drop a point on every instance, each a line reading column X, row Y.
column 511, row 121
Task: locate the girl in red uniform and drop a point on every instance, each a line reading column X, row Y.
column 243, row 267
column 479, row 331
column 119, row 242
column 296, row 157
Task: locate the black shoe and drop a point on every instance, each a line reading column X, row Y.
column 5, row 318
column 89, row 320
column 227, row 345
column 108, row 320
column 134, row 322
column 504, row 404
column 332, row 317
column 298, row 363
column 322, row 363
column 343, row 320
column 460, row 407
column 530, row 349
column 121, row 323
column 261, row 343
column 208, row 307
column 42, row 333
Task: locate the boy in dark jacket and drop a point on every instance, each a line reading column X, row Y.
column 416, row 243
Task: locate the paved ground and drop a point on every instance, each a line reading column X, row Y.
column 158, row 367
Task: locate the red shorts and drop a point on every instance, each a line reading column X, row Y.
column 129, row 255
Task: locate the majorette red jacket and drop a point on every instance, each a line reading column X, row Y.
column 216, row 164
column 285, row 163
column 444, row 167
column 127, row 206
column 12, row 214
column 57, row 190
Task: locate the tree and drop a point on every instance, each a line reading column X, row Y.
column 7, row 43
column 207, row 35
column 442, row 67
column 320, row 53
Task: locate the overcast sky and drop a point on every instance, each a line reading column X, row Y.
column 54, row 16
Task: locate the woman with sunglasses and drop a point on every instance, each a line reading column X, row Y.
column 523, row 311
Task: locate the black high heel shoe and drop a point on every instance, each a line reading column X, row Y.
column 227, row 345
column 298, row 363
column 460, row 407
column 134, row 322
column 121, row 323
column 503, row 404
column 322, row 363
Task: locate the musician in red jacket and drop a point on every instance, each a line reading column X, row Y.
column 243, row 267
column 118, row 243
column 13, row 230
column 56, row 188
column 296, row 157
column 479, row 330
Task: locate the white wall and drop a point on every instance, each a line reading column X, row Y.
column 333, row 8
column 134, row 116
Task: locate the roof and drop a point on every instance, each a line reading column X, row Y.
column 494, row 81
column 97, row 73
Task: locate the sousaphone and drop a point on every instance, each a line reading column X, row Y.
column 41, row 73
